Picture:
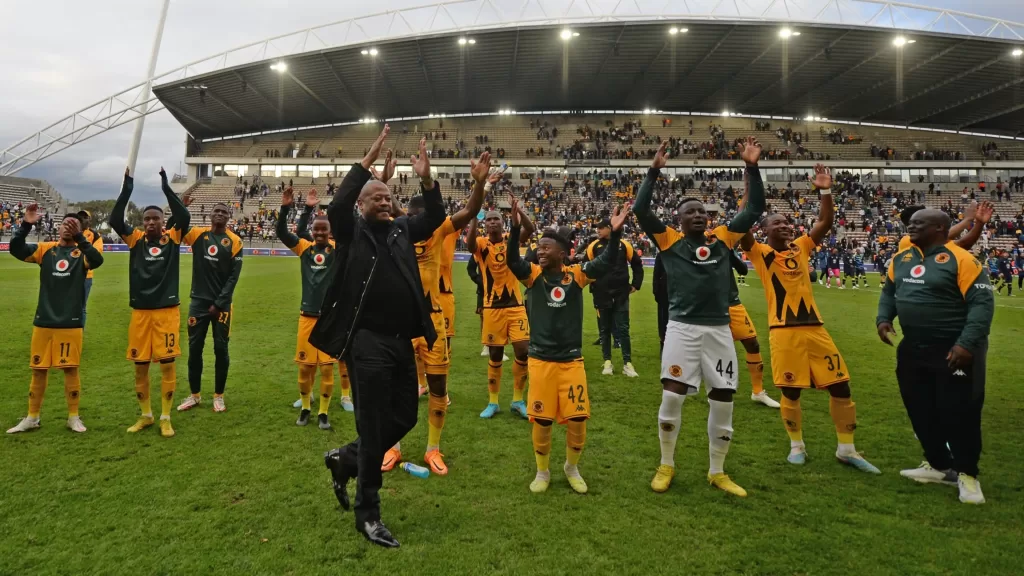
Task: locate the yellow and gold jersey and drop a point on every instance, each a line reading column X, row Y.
column 787, row 284
column 904, row 243
column 97, row 241
column 501, row 287
column 428, row 257
column 447, row 259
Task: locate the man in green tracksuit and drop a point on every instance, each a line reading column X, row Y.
column 944, row 301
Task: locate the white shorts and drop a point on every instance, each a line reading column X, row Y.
column 696, row 353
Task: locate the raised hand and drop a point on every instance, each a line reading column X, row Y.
column 287, row 197
column 73, row 226
column 660, row 160
column 514, row 203
column 984, row 212
column 971, row 210
column 311, row 199
column 619, row 217
column 126, row 171
column 479, row 168
column 421, row 164
column 389, row 168
column 750, row 151
column 374, row 151
column 162, row 173
column 31, row 213
column 822, row 177
column 186, row 199
column 495, row 176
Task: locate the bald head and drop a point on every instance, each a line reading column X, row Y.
column 375, row 202
column 928, row 227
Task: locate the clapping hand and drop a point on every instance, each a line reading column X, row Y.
column 479, row 168
column 514, row 203
column 312, row 201
column 660, row 160
column 421, row 164
column 822, row 177
column 287, row 197
column 619, row 217
column 750, row 151
column 984, row 212
column 374, row 152
column 389, row 168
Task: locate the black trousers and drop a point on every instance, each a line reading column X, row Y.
column 614, row 319
column 944, row 405
column 382, row 370
column 199, row 321
column 662, row 322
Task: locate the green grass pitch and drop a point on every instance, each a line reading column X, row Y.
column 246, row 492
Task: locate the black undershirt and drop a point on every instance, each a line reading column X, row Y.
column 388, row 306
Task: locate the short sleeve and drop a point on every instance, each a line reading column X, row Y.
column 446, row 229
column 192, row 235
column 41, row 249
column 891, row 272
column 175, row 235
column 301, row 247
column 666, row 239
column 535, row 271
column 582, row 280
column 806, row 243
column 236, row 244
column 904, row 243
column 132, row 238
column 968, row 271
column 730, row 238
column 481, row 243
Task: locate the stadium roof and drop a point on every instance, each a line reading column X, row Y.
column 953, row 79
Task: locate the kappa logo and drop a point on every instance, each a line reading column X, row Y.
column 907, row 257
column 538, row 406
column 675, row 371
column 212, row 250
column 840, row 375
column 319, row 259
column 225, row 242
column 958, row 372
column 62, row 265
column 917, row 271
column 941, row 258
column 154, row 251
column 557, row 294
column 702, row 253
column 789, row 377
column 76, row 253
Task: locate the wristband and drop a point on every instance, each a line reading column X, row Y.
column 487, row 186
column 825, row 191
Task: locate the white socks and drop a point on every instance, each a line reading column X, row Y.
column 670, row 415
column 719, row 434
column 846, row 449
column 571, row 470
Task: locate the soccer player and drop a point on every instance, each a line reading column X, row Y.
column 97, row 241
column 611, row 297
column 743, row 331
column 945, row 306
column 802, row 352
column 504, row 315
column 559, row 381
column 435, row 360
column 698, row 344
column 834, row 260
column 1005, row 267
column 860, row 274
column 822, row 258
column 849, row 268
column 316, row 255
column 60, row 311
column 216, row 266
column 155, row 326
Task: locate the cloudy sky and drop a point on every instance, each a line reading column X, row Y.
column 62, row 55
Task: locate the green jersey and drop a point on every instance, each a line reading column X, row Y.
column 314, row 261
column 216, row 265
column 152, row 263
column 699, row 270
column 62, row 273
column 554, row 301
column 941, row 295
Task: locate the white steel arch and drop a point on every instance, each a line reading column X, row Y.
column 455, row 16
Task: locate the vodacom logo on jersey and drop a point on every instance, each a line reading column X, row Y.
column 702, row 253
column 62, row 265
column 557, row 297
column 212, row 250
column 917, row 271
column 154, row 251
column 319, row 259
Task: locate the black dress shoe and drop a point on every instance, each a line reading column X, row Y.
column 375, row 531
column 339, row 477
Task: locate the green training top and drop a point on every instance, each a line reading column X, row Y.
column 699, row 272
column 941, row 295
column 314, row 261
column 554, row 301
column 216, row 265
column 62, row 273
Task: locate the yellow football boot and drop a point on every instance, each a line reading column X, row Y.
column 663, row 478
column 723, row 482
column 141, row 424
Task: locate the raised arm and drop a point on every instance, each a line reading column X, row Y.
column 283, row 234
column 117, row 221
column 826, row 214
column 422, row 225
column 982, row 215
column 179, row 212
column 341, row 211
column 750, row 151
column 604, row 263
column 528, row 226
column 519, row 267
column 302, row 226
column 19, row 247
column 646, row 218
column 93, row 257
column 481, row 177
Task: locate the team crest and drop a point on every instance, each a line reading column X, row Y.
column 499, row 257
column 538, row 406
column 191, row 321
column 789, row 377
column 941, row 258
column 76, row 253
column 212, row 250
column 702, row 253
column 36, row 359
column 327, row 249
column 164, row 239
column 154, row 251
column 420, row 249
column 302, row 355
column 225, row 242
column 490, row 337
column 675, row 371
column 319, row 259
column 557, row 294
column 917, row 271
column 62, row 265
column 567, row 279
column 134, row 353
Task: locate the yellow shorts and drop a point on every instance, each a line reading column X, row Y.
column 806, row 357
column 153, row 335
column 56, row 348
column 306, row 353
column 504, row 325
column 435, row 360
column 558, row 390
column 739, row 323
column 447, row 301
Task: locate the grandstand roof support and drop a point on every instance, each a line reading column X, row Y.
column 735, row 75
column 683, row 77
column 514, row 65
column 636, row 82
column 426, row 76
column 213, row 96
column 179, row 112
column 259, row 93
column 968, row 100
column 820, row 53
column 844, row 72
column 309, row 92
column 996, row 114
column 346, row 96
column 934, row 87
column 881, row 83
column 385, row 76
column 596, row 76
